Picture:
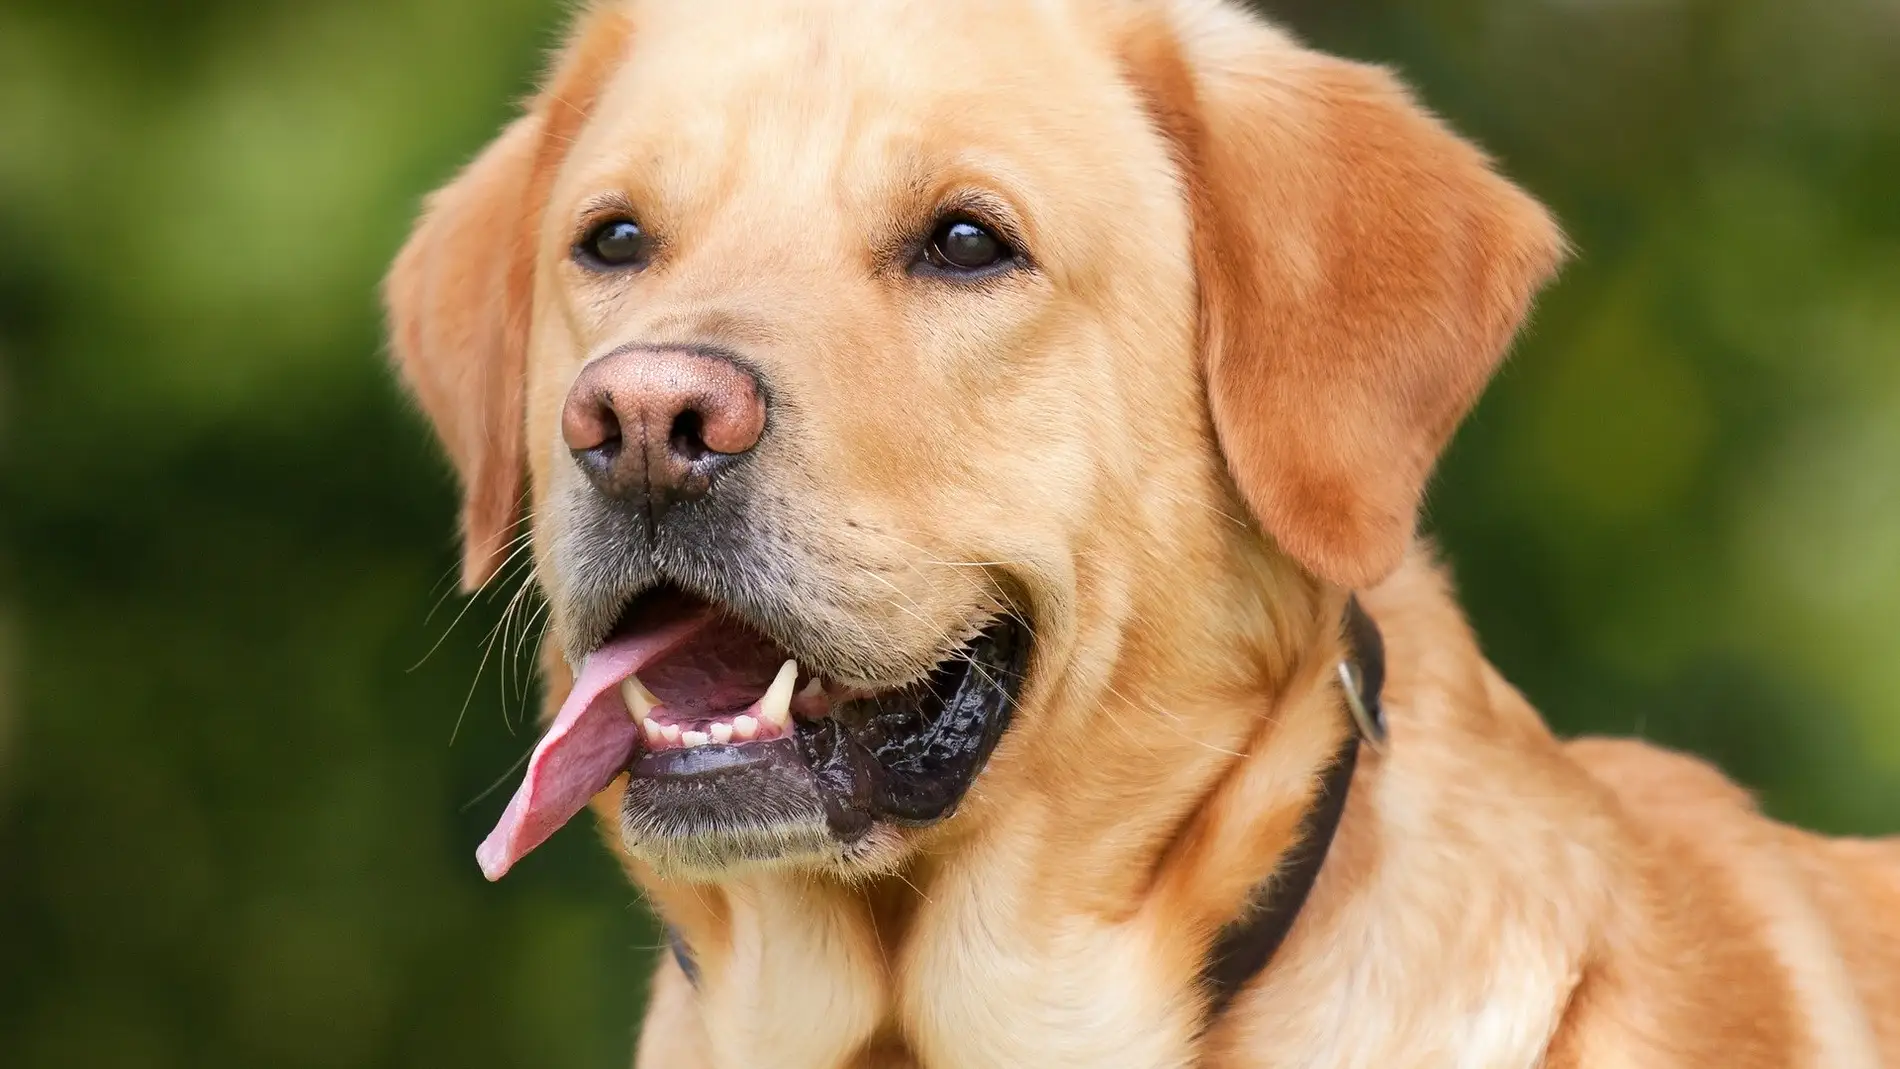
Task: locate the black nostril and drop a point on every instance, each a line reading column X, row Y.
column 608, row 450
column 685, row 436
column 598, row 463
column 598, row 459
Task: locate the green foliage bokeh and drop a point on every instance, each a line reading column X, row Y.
column 234, row 830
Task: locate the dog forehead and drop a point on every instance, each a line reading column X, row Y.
column 792, row 98
column 894, row 45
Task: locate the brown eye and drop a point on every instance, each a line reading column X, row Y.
column 959, row 246
column 614, row 243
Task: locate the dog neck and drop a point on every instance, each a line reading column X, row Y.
column 1205, row 774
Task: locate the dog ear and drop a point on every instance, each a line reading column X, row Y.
column 460, row 292
column 1361, row 271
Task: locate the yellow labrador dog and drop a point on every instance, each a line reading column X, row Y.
column 972, row 450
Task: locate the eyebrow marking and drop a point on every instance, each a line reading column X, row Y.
column 606, row 205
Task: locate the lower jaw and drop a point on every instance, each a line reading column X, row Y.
column 713, row 809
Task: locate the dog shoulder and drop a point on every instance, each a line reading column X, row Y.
column 1723, row 926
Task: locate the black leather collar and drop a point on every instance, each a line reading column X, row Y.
column 1245, row 946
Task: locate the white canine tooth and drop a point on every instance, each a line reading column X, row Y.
column 670, row 732
column 813, row 689
column 654, row 735
column 694, row 738
column 640, row 701
column 775, row 708
column 720, row 732
column 744, row 727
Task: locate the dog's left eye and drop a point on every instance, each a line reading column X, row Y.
column 962, row 247
column 612, row 244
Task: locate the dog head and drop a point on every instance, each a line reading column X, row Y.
column 894, row 380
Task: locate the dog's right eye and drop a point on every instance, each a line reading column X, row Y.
column 960, row 247
column 613, row 244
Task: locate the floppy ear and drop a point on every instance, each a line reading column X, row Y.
column 461, row 290
column 1361, row 272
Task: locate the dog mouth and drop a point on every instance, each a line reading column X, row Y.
column 735, row 752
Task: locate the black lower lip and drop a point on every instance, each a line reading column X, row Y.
column 911, row 760
column 907, row 758
column 713, row 760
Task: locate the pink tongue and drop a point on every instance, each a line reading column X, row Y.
column 591, row 740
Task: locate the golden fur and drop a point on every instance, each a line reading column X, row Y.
column 1267, row 285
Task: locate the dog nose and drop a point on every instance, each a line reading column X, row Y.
column 653, row 425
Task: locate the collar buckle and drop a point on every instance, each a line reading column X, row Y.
column 1370, row 722
column 1362, row 675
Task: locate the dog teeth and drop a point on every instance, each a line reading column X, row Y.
column 640, row 701
column 773, row 715
column 775, row 708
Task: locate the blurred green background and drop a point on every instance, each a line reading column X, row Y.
column 233, row 828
